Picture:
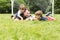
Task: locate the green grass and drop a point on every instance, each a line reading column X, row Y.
column 29, row 30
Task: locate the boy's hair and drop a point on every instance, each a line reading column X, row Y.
column 22, row 6
column 39, row 13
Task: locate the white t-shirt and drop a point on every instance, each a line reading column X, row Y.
column 19, row 12
column 32, row 17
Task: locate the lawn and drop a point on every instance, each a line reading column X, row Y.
column 29, row 30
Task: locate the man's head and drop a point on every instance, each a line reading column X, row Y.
column 22, row 8
column 27, row 13
column 38, row 14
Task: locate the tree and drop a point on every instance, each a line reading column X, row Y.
column 57, row 6
column 5, row 6
column 35, row 5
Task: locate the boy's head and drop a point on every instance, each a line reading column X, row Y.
column 22, row 8
column 38, row 14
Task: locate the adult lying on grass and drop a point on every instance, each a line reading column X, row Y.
column 39, row 16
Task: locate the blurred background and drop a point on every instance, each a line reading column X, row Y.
column 33, row 5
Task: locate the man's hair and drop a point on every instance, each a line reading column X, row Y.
column 39, row 13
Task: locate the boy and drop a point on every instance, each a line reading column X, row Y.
column 39, row 15
column 20, row 14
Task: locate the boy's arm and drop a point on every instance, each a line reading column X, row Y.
column 19, row 15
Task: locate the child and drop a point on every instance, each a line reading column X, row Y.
column 39, row 16
column 19, row 15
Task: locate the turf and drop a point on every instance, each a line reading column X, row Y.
column 29, row 30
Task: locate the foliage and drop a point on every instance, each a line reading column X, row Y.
column 33, row 5
column 57, row 6
column 5, row 6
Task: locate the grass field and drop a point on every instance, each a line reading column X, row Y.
column 29, row 30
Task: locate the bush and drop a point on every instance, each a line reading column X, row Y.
column 57, row 11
